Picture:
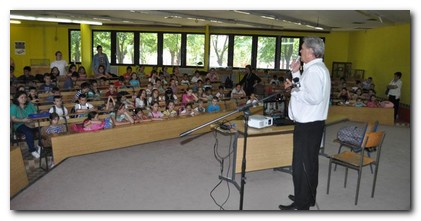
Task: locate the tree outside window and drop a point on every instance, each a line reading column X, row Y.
column 266, row 49
column 125, row 48
column 218, row 50
column 242, row 50
column 148, row 47
column 290, row 48
column 195, row 49
column 103, row 39
column 75, row 47
column 172, row 49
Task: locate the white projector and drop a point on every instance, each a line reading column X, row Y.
column 260, row 121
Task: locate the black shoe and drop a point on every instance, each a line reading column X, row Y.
column 291, row 197
column 288, row 207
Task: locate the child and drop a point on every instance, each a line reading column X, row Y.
column 359, row 103
column 185, row 80
column 238, row 92
column 85, row 87
column 170, row 96
column 134, row 82
column 372, row 102
column 189, row 97
column 201, row 94
column 253, row 99
column 187, row 110
column 275, row 80
column 70, row 82
column 94, row 92
column 141, row 100
column 207, row 84
column 344, row 95
column 54, row 92
column 59, row 108
column 155, row 98
column 82, row 73
column 140, row 116
column 93, row 123
column 212, row 75
column 112, row 91
column 170, row 111
column 149, row 89
column 120, row 116
column 120, row 83
column 33, row 95
column 48, row 85
column 123, row 99
column 52, row 130
column 83, row 107
column 110, row 105
column 214, row 107
column 220, row 95
column 196, row 77
column 128, row 74
column 200, row 108
column 155, row 114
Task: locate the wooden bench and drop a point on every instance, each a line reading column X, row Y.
column 69, row 145
column 365, row 114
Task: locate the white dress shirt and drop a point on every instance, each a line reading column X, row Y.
column 310, row 101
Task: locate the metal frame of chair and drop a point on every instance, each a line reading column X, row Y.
column 356, row 161
column 369, row 127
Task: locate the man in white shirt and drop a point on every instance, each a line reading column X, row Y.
column 59, row 63
column 308, row 107
column 394, row 92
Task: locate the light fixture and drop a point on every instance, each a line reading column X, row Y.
column 241, row 12
column 267, row 17
column 14, row 22
column 317, row 26
column 60, row 20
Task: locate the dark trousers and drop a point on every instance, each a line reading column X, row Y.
column 395, row 104
column 305, row 162
column 29, row 136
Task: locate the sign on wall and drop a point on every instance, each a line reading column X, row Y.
column 20, row 48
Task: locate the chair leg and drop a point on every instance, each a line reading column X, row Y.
column 371, row 165
column 328, row 176
column 339, row 151
column 374, row 181
column 358, row 186
column 346, row 176
column 43, row 153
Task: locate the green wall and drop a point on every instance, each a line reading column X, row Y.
column 380, row 52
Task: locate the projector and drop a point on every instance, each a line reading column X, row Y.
column 260, row 121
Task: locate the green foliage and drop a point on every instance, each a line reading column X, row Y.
column 172, row 42
column 148, row 47
column 125, row 47
column 195, row 49
column 103, row 39
column 219, row 44
column 242, row 50
column 75, row 46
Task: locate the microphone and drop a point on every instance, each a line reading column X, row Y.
column 296, row 82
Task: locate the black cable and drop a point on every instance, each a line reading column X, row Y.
column 221, row 160
column 309, row 186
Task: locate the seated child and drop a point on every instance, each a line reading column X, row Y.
column 200, row 108
column 93, row 123
column 155, row 113
column 187, row 110
column 120, row 115
column 59, row 108
column 139, row 116
column 372, row 102
column 54, row 128
column 170, row 111
column 83, row 107
column 253, row 99
column 214, row 107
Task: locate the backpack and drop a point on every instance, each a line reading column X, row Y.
column 351, row 135
column 228, row 83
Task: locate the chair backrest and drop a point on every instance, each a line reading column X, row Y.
column 369, row 128
column 374, row 139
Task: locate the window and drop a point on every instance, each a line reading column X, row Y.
column 195, row 49
column 266, row 50
column 124, row 48
column 103, row 39
column 75, row 47
column 148, row 48
column 218, row 51
column 171, row 54
column 290, row 48
column 242, row 50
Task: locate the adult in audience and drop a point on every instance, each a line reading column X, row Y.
column 249, row 80
column 394, row 92
column 59, row 63
column 100, row 59
column 20, row 110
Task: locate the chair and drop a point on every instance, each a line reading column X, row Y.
column 369, row 127
column 356, row 161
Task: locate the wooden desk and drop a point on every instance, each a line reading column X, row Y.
column 270, row 147
column 18, row 177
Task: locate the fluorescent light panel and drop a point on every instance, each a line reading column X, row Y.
column 62, row 20
column 14, row 22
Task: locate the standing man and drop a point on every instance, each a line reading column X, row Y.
column 249, row 81
column 100, row 59
column 59, row 63
column 394, row 93
column 308, row 107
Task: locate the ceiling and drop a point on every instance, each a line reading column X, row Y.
column 294, row 20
